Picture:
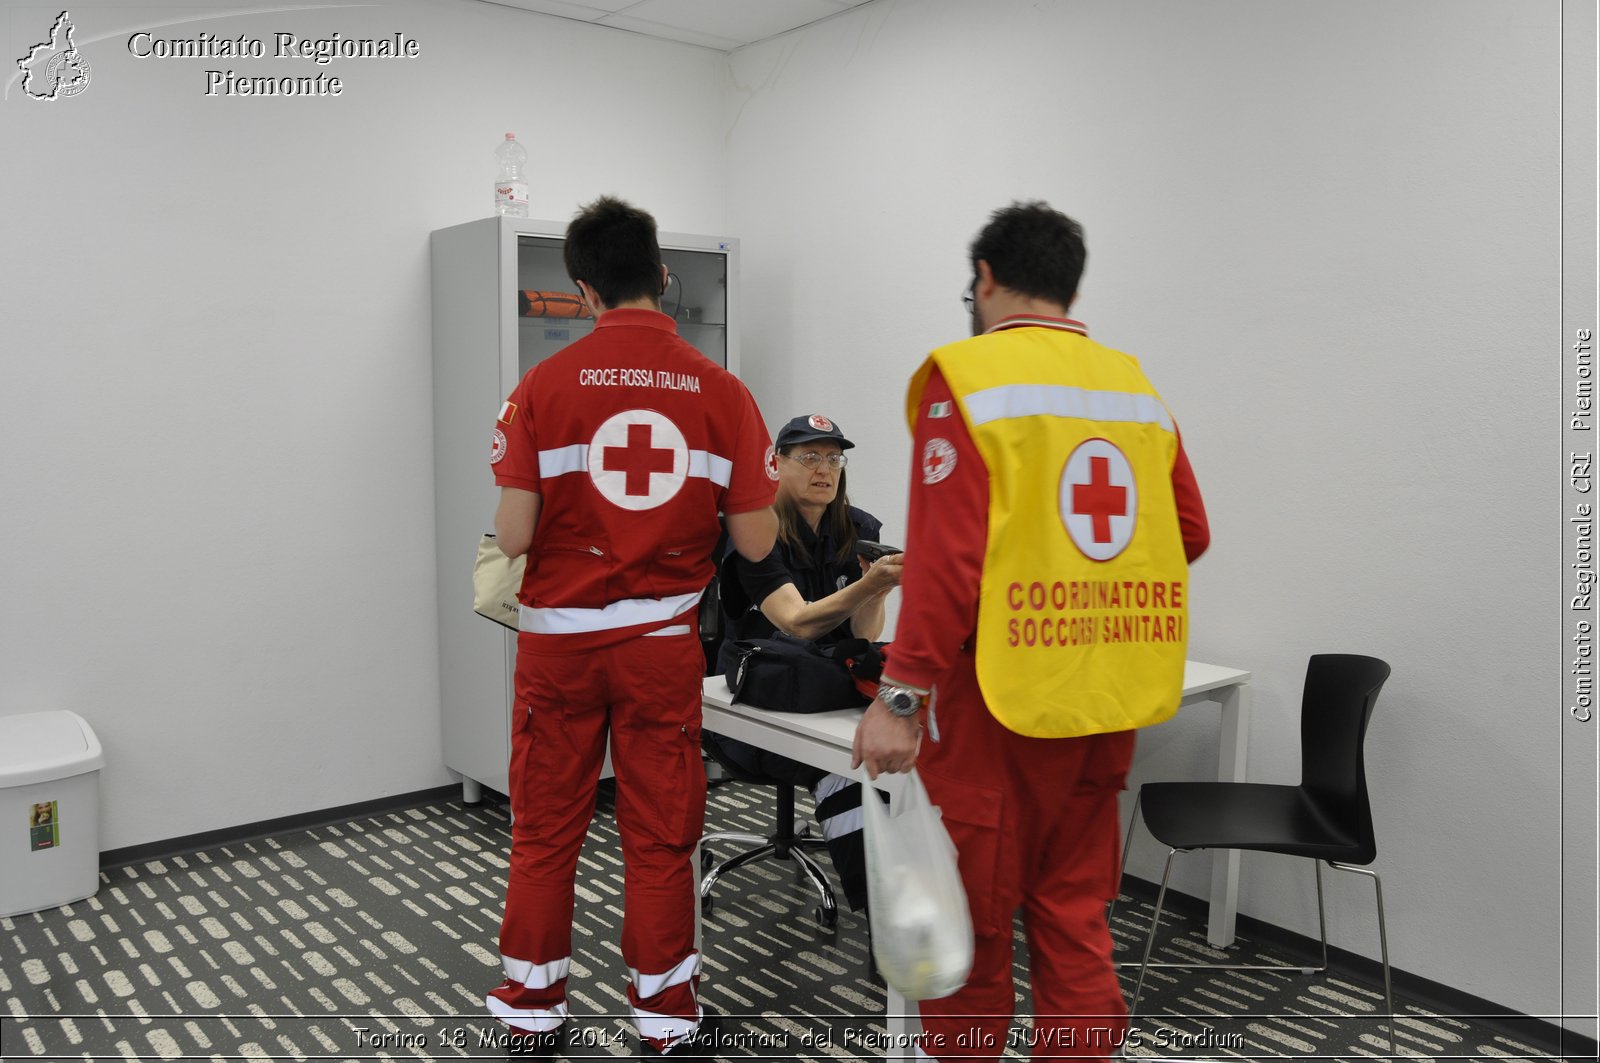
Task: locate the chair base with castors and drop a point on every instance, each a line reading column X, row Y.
column 787, row 842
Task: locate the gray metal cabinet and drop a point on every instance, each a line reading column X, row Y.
column 486, row 336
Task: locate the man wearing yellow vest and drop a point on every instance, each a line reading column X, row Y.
column 1052, row 519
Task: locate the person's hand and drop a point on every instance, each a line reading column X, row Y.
column 883, row 575
column 885, row 742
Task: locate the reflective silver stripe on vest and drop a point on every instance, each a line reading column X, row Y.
column 559, row 620
column 1058, row 400
column 703, row 464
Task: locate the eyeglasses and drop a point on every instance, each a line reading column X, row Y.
column 969, row 298
column 811, row 459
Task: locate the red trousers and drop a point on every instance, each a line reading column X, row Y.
column 644, row 694
column 1035, row 823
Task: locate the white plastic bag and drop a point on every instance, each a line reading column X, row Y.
column 921, row 928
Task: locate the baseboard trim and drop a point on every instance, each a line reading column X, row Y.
column 1548, row 1037
column 191, row 843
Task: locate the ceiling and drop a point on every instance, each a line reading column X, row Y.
column 720, row 24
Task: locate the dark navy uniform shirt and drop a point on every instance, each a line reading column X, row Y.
column 746, row 584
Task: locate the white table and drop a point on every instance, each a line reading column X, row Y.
column 823, row 739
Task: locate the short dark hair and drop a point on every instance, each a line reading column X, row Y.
column 611, row 246
column 1033, row 250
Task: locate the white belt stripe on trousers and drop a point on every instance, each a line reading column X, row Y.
column 570, row 620
column 533, row 976
column 654, row 1024
column 534, row 1020
column 848, row 822
column 648, row 985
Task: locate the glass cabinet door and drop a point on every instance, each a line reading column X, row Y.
column 551, row 314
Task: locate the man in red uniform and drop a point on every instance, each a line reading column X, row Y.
column 1034, row 819
column 614, row 457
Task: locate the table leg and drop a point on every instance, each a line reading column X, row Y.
column 1233, row 746
column 699, row 921
column 899, row 1026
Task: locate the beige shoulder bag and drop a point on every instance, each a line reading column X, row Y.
column 496, row 579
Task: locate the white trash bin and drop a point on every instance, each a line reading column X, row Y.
column 49, row 811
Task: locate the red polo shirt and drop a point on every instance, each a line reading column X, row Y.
column 636, row 442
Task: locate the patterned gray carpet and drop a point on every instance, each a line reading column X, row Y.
column 375, row 939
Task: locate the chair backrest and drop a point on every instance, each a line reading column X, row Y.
column 712, row 626
column 1340, row 692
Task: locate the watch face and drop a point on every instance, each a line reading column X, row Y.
column 900, row 702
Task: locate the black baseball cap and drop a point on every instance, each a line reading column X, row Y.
column 808, row 428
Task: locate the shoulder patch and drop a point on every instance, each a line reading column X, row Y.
column 938, row 460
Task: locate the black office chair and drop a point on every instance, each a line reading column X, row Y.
column 789, row 840
column 1327, row 818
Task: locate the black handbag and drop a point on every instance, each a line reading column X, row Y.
column 790, row 674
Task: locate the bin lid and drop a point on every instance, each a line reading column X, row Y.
column 44, row 746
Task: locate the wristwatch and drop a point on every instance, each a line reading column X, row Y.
column 899, row 700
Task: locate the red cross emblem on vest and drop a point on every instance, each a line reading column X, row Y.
column 638, row 459
column 1099, row 499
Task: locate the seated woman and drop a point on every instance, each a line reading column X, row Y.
column 813, row 585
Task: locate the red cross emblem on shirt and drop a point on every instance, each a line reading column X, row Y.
column 638, row 459
column 1100, row 499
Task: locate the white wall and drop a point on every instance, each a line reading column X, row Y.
column 216, row 533
column 1329, row 231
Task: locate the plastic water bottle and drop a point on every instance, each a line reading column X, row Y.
column 511, row 187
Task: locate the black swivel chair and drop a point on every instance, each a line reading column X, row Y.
column 1327, row 818
column 789, row 840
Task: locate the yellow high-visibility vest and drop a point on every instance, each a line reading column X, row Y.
column 1083, row 607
